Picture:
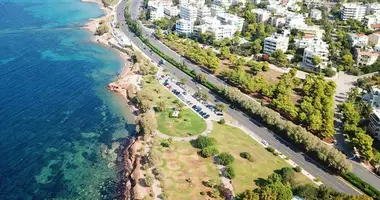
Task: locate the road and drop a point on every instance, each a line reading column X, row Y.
column 288, row 149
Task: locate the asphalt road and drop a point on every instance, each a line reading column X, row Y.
column 261, row 132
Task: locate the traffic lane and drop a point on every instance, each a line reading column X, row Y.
column 371, row 178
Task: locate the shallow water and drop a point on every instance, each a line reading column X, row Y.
column 59, row 126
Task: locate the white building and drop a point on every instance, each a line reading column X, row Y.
column 374, row 38
column 278, row 21
column 353, row 11
column 315, row 14
column 305, row 41
column 227, row 18
column 188, row 12
column 216, row 10
column 372, row 97
column 374, row 123
column 204, row 12
column 365, row 56
column 295, row 21
column 223, row 3
column 171, row 11
column 156, row 10
column 372, row 22
column 223, row 31
column 358, row 39
column 373, row 8
column 316, row 48
column 262, row 16
column 183, row 26
column 276, row 42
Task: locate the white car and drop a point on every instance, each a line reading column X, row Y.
column 264, row 142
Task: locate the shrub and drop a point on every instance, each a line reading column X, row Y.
column 202, row 193
column 165, row 143
column 362, row 185
column 329, row 72
column 270, row 149
column 149, row 180
column 222, row 121
column 229, row 172
column 298, row 169
column 287, row 174
column 203, row 141
column 225, row 158
column 209, row 151
column 246, row 155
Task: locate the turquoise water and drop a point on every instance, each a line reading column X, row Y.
column 60, row 128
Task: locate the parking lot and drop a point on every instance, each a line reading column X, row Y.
column 189, row 97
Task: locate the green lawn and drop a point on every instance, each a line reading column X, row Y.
column 235, row 141
column 187, row 124
column 109, row 2
column 158, row 92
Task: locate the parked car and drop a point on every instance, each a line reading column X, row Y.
column 207, row 116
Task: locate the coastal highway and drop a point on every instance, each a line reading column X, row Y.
column 261, row 132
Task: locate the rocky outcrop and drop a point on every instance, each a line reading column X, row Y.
column 132, row 166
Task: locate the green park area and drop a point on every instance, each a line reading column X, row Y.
column 249, row 173
column 184, row 171
column 187, row 123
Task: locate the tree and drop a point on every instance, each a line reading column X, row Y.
column 159, row 34
column 229, row 172
column 225, row 52
column 280, row 58
column 220, row 106
column 273, row 178
column 146, row 124
column 316, row 60
column 183, row 81
column 248, row 195
column 350, row 113
column 363, row 143
column 287, row 174
column 347, row 60
column 225, row 158
column 145, row 105
column 201, row 77
column 161, row 106
column 209, row 151
column 256, row 46
column 148, row 180
column 203, row 141
column 276, row 191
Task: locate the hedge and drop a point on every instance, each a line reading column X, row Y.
column 362, row 185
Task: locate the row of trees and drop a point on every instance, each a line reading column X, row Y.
column 354, row 110
column 297, row 134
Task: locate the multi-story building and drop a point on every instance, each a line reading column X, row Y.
column 223, row 31
column 358, row 39
column 204, row 12
column 315, row 14
column 276, row 42
column 353, row 11
column 223, row 3
column 156, row 10
column 262, row 16
column 171, row 11
column 188, row 12
column 372, row 97
column 216, row 10
column 278, row 21
column 374, row 124
column 295, row 21
column 373, row 8
column 316, row 48
column 183, row 26
column 374, row 38
column 365, row 56
column 372, row 22
column 227, row 18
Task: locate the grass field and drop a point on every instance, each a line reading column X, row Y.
column 248, row 174
column 158, row 92
column 180, row 162
column 109, row 2
column 187, row 125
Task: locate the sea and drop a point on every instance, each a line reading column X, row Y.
column 60, row 129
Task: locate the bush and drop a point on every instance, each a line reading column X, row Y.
column 229, row 172
column 209, row 151
column 203, row 141
column 270, row 149
column 362, row 185
column 202, row 193
column 149, row 180
column 225, row 158
column 297, row 169
column 222, row 121
column 165, row 143
column 246, row 155
column 287, row 174
column 329, row 72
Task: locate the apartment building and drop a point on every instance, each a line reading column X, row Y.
column 183, row 26
column 276, row 42
column 188, row 12
column 358, row 39
column 223, row 31
column 316, row 48
column 171, row 11
column 156, row 10
column 372, row 97
column 229, row 19
column 216, row 10
column 204, row 12
column 372, row 22
column 278, row 21
column 373, row 8
column 223, row 3
column 262, row 16
column 353, row 11
column 365, row 56
column 374, row 38
column 315, row 14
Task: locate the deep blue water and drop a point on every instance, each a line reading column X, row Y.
column 57, row 120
